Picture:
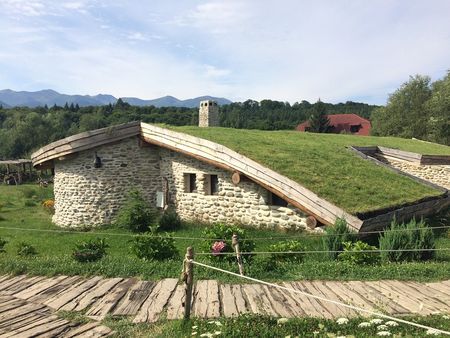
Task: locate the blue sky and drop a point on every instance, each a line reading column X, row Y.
column 286, row 50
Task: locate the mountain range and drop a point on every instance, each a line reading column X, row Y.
column 10, row 98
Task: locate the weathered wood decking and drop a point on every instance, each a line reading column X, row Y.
column 146, row 301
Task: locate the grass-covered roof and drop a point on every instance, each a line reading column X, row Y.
column 324, row 164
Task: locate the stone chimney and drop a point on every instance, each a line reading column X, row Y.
column 208, row 114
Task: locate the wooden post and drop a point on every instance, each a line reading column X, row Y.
column 189, row 281
column 235, row 244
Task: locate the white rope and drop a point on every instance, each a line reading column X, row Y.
column 373, row 313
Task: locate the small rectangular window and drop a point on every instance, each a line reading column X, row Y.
column 277, row 200
column 190, row 184
column 211, row 184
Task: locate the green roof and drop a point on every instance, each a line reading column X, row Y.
column 323, row 164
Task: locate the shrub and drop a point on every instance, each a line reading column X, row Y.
column 169, row 220
column 356, row 253
column 335, row 237
column 3, row 242
column 26, row 250
column 49, row 205
column 29, row 203
column 154, row 247
column 410, row 236
column 287, row 246
column 136, row 215
column 28, row 192
column 218, row 239
column 90, row 251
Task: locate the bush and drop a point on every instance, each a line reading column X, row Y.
column 154, row 247
column 169, row 220
column 28, row 192
column 355, row 253
column 409, row 236
column 335, row 237
column 26, row 250
column 90, row 251
column 3, row 242
column 218, row 239
column 136, row 215
column 287, row 246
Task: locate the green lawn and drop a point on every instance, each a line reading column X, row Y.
column 323, row 164
column 55, row 250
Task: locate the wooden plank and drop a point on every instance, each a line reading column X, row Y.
column 11, row 281
column 279, row 302
column 38, row 327
column 367, row 291
column 9, row 306
column 52, row 291
column 134, row 298
column 24, row 308
column 18, row 321
column 59, row 300
column 153, row 306
column 175, row 309
column 106, row 304
column 22, row 285
column 309, row 305
column 258, row 301
column 98, row 331
column 233, row 300
column 329, row 293
column 350, row 297
column 439, row 287
column 86, row 299
column 39, row 287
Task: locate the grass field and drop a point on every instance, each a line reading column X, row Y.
column 54, row 250
column 323, row 164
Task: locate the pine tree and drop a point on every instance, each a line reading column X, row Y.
column 318, row 121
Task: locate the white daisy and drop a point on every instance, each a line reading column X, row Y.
column 342, row 321
column 382, row 327
column 391, row 323
column 364, row 324
column 376, row 321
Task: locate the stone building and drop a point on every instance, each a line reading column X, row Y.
column 203, row 180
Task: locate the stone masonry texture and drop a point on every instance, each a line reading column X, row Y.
column 89, row 196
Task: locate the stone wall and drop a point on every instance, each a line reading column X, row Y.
column 208, row 114
column 246, row 203
column 437, row 174
column 85, row 195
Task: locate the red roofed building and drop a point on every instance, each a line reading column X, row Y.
column 350, row 123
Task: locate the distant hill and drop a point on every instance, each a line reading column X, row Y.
column 11, row 98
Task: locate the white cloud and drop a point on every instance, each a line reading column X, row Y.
column 213, row 72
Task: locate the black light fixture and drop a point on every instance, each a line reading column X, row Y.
column 97, row 161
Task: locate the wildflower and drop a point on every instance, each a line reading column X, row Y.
column 287, row 337
column 342, row 321
column 218, row 323
column 218, row 247
column 384, row 333
column 391, row 323
column 194, row 327
column 376, row 321
column 382, row 327
column 194, row 333
column 433, row 332
column 446, row 317
column 282, row 320
column 207, row 334
column 216, row 333
column 364, row 324
column 341, row 337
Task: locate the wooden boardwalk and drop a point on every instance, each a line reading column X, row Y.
column 29, row 303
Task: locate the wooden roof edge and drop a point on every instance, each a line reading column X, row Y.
column 51, row 151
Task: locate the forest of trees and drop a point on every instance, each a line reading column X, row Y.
column 23, row 130
column 419, row 108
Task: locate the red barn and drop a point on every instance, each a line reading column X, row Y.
column 350, row 123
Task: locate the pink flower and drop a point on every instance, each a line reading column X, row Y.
column 218, row 247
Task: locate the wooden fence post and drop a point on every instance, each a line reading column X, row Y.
column 189, row 281
column 235, row 244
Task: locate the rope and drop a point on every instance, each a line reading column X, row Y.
column 373, row 313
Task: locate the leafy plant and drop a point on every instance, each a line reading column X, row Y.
column 287, row 246
column 356, row 253
column 136, row 214
column 412, row 236
column 3, row 242
column 28, row 192
column 25, row 249
column 220, row 233
column 154, row 247
column 29, row 203
column 90, row 251
column 335, row 237
column 169, row 220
